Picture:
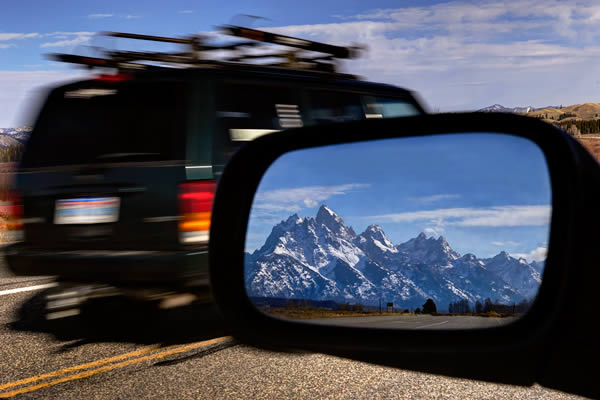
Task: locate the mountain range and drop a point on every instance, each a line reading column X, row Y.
column 10, row 137
column 323, row 259
column 552, row 113
column 516, row 110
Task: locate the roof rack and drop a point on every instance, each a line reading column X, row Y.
column 197, row 52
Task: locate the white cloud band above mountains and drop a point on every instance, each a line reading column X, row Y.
column 510, row 215
column 294, row 200
column 537, row 254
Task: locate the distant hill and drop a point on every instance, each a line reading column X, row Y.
column 578, row 111
column 7, row 141
column 553, row 114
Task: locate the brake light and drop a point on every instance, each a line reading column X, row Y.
column 120, row 77
column 11, row 210
column 195, row 206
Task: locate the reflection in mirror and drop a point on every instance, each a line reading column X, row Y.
column 433, row 232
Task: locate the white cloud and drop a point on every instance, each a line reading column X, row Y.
column 434, row 198
column 66, row 34
column 133, row 16
column 68, row 42
column 7, row 46
column 186, row 11
column 512, row 215
column 538, row 254
column 434, row 231
column 517, row 52
column 17, row 36
column 271, row 202
column 100, row 15
column 507, row 243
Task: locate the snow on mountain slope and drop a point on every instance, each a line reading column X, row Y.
column 517, row 273
column 323, row 259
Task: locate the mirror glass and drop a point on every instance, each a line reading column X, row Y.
column 433, row 232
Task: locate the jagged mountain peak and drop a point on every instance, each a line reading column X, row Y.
column 328, row 218
column 374, row 228
column 428, row 250
column 502, row 256
column 373, row 240
column 376, row 232
column 469, row 257
column 327, row 210
column 293, row 219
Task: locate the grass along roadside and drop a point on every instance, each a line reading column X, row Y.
column 309, row 313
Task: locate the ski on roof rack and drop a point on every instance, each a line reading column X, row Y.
column 274, row 38
column 198, row 49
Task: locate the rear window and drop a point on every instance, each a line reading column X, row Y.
column 331, row 106
column 388, row 107
column 129, row 121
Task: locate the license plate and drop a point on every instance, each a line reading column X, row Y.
column 87, row 210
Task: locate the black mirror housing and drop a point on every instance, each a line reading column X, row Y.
column 551, row 345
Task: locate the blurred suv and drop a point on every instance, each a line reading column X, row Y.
column 116, row 183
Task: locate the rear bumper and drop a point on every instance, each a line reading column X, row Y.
column 168, row 269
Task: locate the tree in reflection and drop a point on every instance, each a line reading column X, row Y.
column 429, row 307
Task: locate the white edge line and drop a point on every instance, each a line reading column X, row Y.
column 27, row 288
column 426, row 326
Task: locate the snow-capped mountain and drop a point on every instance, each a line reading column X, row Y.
column 501, row 108
column 514, row 110
column 520, row 275
column 7, row 141
column 21, row 135
column 422, row 250
column 323, row 259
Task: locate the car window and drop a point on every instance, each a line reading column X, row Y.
column 246, row 111
column 388, row 107
column 129, row 121
column 330, row 106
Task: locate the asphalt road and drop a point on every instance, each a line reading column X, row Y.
column 415, row 322
column 117, row 349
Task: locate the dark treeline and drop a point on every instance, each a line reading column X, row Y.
column 464, row 307
column 10, row 154
column 583, row 126
column 566, row 115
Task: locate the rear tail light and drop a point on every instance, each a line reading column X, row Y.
column 119, row 77
column 195, row 206
column 11, row 212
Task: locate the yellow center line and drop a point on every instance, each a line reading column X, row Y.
column 82, row 366
column 164, row 352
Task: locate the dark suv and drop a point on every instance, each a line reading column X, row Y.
column 117, row 180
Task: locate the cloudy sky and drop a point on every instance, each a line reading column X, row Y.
column 471, row 189
column 458, row 55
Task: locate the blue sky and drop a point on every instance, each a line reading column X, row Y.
column 484, row 192
column 458, row 55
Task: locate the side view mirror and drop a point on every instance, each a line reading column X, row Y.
column 457, row 244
